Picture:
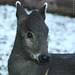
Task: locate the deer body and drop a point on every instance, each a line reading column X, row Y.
column 29, row 55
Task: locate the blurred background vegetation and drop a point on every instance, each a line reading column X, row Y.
column 62, row 7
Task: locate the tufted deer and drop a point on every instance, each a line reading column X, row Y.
column 29, row 55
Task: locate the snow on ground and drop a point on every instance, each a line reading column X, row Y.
column 61, row 35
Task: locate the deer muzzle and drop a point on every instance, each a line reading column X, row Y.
column 43, row 58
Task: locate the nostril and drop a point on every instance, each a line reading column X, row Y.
column 44, row 58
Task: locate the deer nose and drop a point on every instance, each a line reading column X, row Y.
column 43, row 58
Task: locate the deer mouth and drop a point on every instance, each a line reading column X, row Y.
column 36, row 57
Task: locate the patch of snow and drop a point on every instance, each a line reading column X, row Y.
column 61, row 33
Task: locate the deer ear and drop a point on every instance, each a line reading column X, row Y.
column 20, row 11
column 43, row 10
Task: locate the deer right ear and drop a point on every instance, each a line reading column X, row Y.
column 20, row 11
column 43, row 10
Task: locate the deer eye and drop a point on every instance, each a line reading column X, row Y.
column 30, row 38
column 29, row 34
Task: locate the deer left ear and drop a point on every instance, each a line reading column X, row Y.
column 20, row 13
column 43, row 10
